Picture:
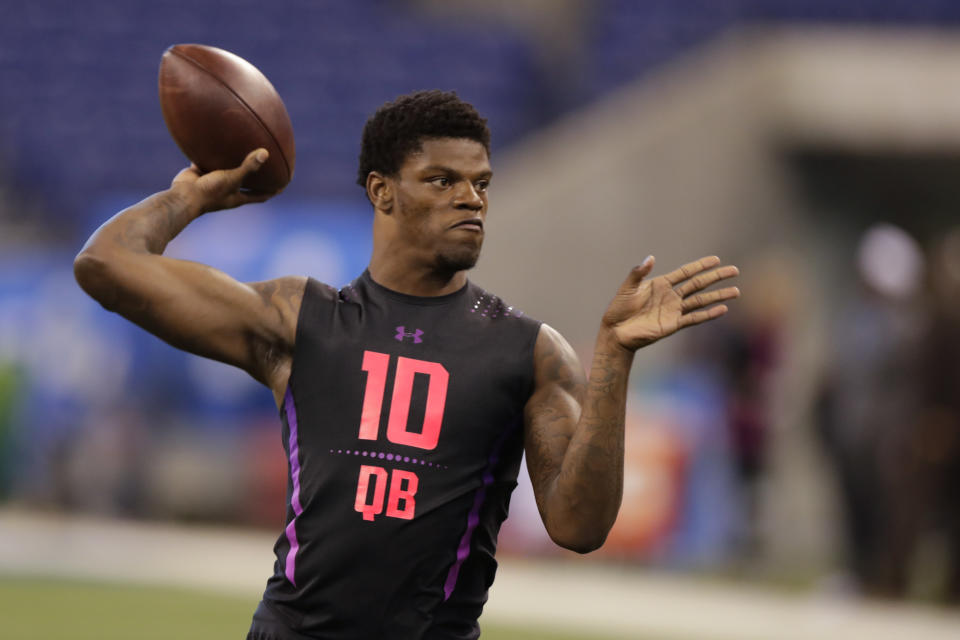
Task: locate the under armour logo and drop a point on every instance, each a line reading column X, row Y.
column 402, row 333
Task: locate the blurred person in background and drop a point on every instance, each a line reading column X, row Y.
column 749, row 354
column 919, row 552
column 870, row 404
column 744, row 361
column 935, row 453
column 749, row 358
column 395, row 536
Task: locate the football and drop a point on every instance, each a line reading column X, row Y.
column 219, row 107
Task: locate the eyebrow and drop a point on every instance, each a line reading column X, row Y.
column 439, row 167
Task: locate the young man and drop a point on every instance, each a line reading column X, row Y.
column 408, row 397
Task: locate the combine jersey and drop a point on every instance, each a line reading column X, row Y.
column 403, row 427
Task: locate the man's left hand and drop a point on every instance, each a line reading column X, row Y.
column 645, row 310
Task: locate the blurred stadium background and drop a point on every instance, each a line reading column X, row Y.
column 791, row 470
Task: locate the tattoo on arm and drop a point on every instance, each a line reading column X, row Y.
column 151, row 224
column 552, row 413
column 575, row 439
column 192, row 306
column 282, row 296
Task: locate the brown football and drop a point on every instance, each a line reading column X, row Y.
column 219, row 107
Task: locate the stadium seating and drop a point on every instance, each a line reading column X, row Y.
column 80, row 119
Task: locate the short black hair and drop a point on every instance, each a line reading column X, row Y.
column 398, row 129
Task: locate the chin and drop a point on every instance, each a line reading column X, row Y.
column 458, row 260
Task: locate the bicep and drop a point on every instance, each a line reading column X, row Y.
column 202, row 310
column 554, row 407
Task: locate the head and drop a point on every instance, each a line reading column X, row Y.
column 425, row 165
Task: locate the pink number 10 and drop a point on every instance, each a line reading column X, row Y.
column 376, row 365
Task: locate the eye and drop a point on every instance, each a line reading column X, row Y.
column 440, row 181
column 482, row 186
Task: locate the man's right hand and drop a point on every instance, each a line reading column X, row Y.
column 221, row 189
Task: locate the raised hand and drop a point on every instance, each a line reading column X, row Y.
column 221, row 189
column 645, row 310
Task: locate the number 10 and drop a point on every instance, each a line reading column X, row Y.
column 376, row 365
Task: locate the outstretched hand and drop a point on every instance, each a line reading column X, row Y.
column 221, row 189
column 645, row 310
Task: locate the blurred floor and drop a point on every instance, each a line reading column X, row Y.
column 570, row 597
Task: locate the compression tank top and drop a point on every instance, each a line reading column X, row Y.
column 403, row 427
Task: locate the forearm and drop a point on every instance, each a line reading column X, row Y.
column 146, row 227
column 588, row 488
column 118, row 263
column 574, row 427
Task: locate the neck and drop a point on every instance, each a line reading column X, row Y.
column 415, row 280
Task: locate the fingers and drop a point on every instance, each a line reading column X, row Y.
column 704, row 299
column 704, row 280
column 695, row 276
column 230, row 182
column 639, row 272
column 690, row 319
column 252, row 162
column 691, row 269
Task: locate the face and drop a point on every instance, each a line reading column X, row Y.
column 441, row 201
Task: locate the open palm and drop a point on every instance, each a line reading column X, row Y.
column 645, row 310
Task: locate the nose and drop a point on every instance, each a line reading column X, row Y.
column 467, row 197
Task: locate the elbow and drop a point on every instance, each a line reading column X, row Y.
column 583, row 541
column 92, row 272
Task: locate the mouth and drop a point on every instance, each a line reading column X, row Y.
column 470, row 224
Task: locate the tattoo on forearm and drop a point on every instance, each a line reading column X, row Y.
column 150, row 225
column 576, row 457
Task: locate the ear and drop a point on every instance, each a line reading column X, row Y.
column 380, row 191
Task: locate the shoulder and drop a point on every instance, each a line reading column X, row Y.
column 555, row 361
column 286, row 285
column 282, row 298
column 285, row 293
column 486, row 305
column 511, row 330
column 289, row 292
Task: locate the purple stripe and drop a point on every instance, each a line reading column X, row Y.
column 473, row 518
column 295, row 477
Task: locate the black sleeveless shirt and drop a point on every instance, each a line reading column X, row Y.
column 403, row 426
